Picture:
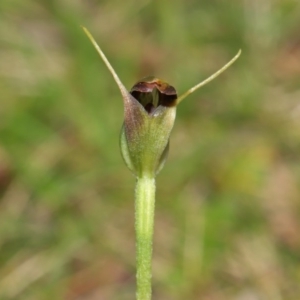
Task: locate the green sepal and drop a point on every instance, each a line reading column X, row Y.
column 144, row 139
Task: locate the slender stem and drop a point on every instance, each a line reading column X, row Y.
column 144, row 223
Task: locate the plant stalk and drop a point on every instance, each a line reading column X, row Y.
column 144, row 223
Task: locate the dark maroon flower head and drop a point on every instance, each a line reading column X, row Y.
column 152, row 92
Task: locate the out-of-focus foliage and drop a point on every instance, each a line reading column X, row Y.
column 227, row 213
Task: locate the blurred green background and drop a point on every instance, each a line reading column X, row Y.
column 227, row 212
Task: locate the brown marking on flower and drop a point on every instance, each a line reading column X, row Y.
column 134, row 116
column 152, row 92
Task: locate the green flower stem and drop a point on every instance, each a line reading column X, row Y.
column 144, row 223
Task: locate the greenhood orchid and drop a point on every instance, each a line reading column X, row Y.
column 150, row 110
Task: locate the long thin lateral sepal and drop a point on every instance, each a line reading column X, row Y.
column 212, row 77
column 107, row 63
